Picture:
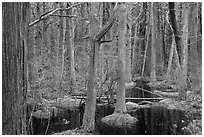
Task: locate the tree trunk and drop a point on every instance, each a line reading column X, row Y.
column 193, row 55
column 153, row 53
column 173, row 22
column 95, row 40
column 60, row 51
column 14, row 70
column 182, row 80
column 72, row 60
column 128, row 77
column 170, row 60
column 69, row 38
column 120, row 100
column 89, row 114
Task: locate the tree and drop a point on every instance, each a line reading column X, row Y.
column 153, row 53
column 70, row 35
column 182, row 79
column 89, row 114
column 120, row 119
column 128, row 77
column 173, row 22
column 193, row 66
column 60, row 51
column 95, row 41
column 120, row 100
column 14, row 86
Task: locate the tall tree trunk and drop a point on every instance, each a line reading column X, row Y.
column 38, row 51
column 120, row 100
column 170, row 60
column 173, row 51
column 153, row 53
column 147, row 46
column 14, row 68
column 95, row 40
column 72, row 51
column 193, row 55
column 61, row 51
column 175, row 28
column 182, row 80
column 128, row 77
column 69, row 38
column 89, row 114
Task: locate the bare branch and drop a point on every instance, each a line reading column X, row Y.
column 110, row 23
column 49, row 13
column 140, row 13
column 69, row 16
column 106, row 41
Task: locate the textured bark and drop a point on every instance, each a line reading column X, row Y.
column 14, row 70
column 147, row 46
column 153, row 53
column 120, row 100
column 95, row 40
column 182, row 78
column 89, row 114
column 61, row 50
column 170, row 59
column 69, row 37
column 193, row 54
column 175, row 28
column 128, row 77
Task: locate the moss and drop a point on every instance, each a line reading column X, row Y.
column 118, row 123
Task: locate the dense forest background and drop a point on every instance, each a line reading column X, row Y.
column 55, row 50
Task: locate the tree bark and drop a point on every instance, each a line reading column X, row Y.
column 128, row 77
column 182, row 78
column 120, row 100
column 89, row 114
column 95, row 41
column 14, row 70
column 153, row 53
column 69, row 38
column 193, row 55
column 61, row 51
column 173, row 22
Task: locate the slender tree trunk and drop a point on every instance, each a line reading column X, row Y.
column 72, row 50
column 153, row 53
column 145, row 52
column 95, row 40
column 193, row 55
column 69, row 38
column 182, row 80
column 14, row 70
column 120, row 100
column 170, row 60
column 147, row 45
column 128, row 77
column 173, row 22
column 61, row 51
column 89, row 114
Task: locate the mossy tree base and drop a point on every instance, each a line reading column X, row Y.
column 118, row 124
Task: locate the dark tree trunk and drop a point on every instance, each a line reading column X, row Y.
column 14, row 70
column 175, row 28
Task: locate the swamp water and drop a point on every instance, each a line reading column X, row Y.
column 153, row 119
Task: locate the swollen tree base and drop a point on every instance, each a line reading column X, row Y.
column 119, row 124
